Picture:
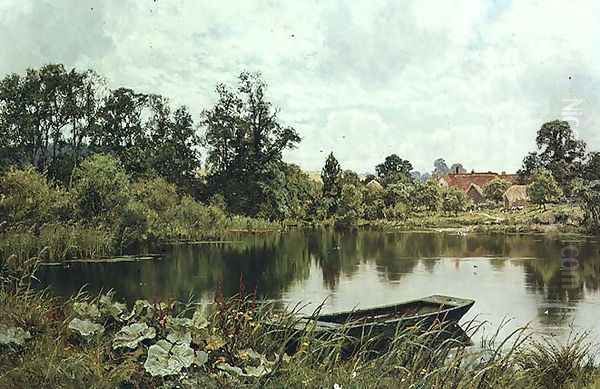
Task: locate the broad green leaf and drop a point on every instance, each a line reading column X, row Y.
column 86, row 310
column 259, row 371
column 165, row 358
column 226, row 367
column 86, row 328
column 13, row 335
column 130, row 336
column 201, row 358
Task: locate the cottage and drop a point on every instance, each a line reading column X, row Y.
column 515, row 196
column 463, row 181
column 475, row 193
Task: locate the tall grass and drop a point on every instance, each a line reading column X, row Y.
column 54, row 243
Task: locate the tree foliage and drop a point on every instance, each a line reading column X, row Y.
column 496, row 189
column 394, row 169
column 245, row 142
column 543, row 188
column 559, row 151
column 454, row 200
column 100, row 187
column 332, row 182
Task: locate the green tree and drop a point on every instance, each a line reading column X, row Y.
column 426, row 196
column 397, row 193
column 495, row 189
column 373, row 203
column 440, row 168
column 100, row 187
column 245, row 142
column 589, row 196
column 45, row 117
column 394, row 169
column 454, row 200
column 331, row 175
column 559, row 151
column 592, row 167
column 543, row 188
column 350, row 206
column 26, row 197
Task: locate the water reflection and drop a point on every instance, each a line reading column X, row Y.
column 520, row 276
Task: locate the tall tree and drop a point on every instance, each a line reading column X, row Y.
column 559, row 151
column 592, row 167
column 440, row 168
column 394, row 169
column 331, row 175
column 245, row 142
column 457, row 168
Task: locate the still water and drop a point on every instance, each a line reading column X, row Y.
column 550, row 282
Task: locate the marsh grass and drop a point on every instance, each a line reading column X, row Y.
column 298, row 355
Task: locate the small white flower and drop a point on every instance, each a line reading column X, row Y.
column 337, row 386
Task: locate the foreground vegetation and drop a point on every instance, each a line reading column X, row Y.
column 102, row 343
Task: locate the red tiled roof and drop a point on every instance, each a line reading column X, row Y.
column 463, row 181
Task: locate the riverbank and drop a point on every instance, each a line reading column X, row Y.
column 100, row 342
column 562, row 218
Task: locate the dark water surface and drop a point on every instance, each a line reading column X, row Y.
column 551, row 282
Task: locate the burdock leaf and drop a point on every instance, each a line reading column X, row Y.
column 86, row 310
column 13, row 335
column 226, row 367
column 166, row 359
column 201, row 358
column 86, row 328
column 130, row 336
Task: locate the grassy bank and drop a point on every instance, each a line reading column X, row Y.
column 555, row 218
column 103, row 343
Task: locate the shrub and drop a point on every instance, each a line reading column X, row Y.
column 26, row 197
column 496, row 189
column 454, row 200
column 544, row 189
column 100, row 187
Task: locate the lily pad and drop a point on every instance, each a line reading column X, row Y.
column 13, row 335
column 130, row 336
column 86, row 310
column 165, row 358
column 86, row 328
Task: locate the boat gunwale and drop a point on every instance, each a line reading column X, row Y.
column 460, row 303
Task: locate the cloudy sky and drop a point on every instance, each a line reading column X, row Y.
column 467, row 81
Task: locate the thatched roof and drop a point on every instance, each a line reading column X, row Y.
column 516, row 193
column 476, row 188
column 375, row 185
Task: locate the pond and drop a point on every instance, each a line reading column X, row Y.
column 550, row 282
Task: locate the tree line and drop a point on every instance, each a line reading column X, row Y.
column 52, row 119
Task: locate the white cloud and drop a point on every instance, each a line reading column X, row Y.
column 467, row 81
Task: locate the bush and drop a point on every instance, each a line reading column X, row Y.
column 100, row 187
column 26, row 197
column 454, row 201
column 496, row 189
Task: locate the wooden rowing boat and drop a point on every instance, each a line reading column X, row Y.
column 386, row 320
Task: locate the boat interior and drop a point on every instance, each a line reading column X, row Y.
column 412, row 309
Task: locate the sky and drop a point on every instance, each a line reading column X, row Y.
column 467, row 81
